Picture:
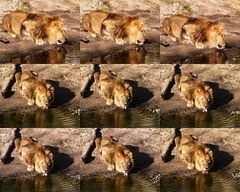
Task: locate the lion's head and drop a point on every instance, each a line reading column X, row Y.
column 55, row 32
column 203, row 97
column 43, row 161
column 44, row 95
column 214, row 36
column 124, row 161
column 122, row 95
column 135, row 31
column 203, row 159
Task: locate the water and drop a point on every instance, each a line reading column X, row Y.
column 120, row 183
column 218, row 57
column 51, row 183
column 57, row 55
column 149, row 53
column 119, row 118
column 56, row 118
column 200, row 183
column 200, row 119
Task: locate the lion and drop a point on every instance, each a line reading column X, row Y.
column 199, row 31
column 34, row 155
column 115, row 26
column 194, row 91
column 115, row 155
column 194, row 153
column 40, row 27
column 36, row 90
column 115, row 90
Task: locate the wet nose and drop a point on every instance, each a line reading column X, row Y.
column 140, row 42
column 220, row 46
column 60, row 42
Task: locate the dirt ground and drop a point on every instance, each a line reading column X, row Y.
column 65, row 149
column 216, row 10
column 69, row 10
column 147, row 9
column 223, row 78
column 223, row 142
column 143, row 77
column 64, row 78
column 145, row 149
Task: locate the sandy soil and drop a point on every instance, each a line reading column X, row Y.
column 66, row 9
column 148, row 10
column 224, row 143
column 65, row 148
column 64, row 77
column 145, row 149
column 223, row 78
column 144, row 79
column 216, row 10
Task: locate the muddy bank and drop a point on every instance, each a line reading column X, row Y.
column 222, row 78
column 143, row 78
column 64, row 78
column 148, row 10
column 171, row 52
column 68, row 10
column 65, row 148
column 145, row 149
column 223, row 141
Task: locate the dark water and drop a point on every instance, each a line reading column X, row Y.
column 51, row 183
column 57, row 55
column 120, row 183
column 200, row 183
column 218, row 57
column 201, row 119
column 134, row 118
column 149, row 53
column 56, row 118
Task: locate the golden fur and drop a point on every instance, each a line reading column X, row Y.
column 194, row 153
column 36, row 90
column 199, row 31
column 115, row 90
column 115, row 155
column 194, row 91
column 35, row 156
column 41, row 28
column 119, row 27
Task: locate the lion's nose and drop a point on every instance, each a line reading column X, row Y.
column 220, row 46
column 140, row 42
column 60, row 42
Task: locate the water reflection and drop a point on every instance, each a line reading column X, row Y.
column 56, row 55
column 40, row 118
column 149, row 53
column 120, row 118
column 52, row 183
column 120, row 183
column 212, row 118
column 199, row 183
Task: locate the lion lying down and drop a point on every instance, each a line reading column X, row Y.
column 194, row 91
column 115, row 155
column 119, row 27
column 198, row 31
column 41, row 28
column 36, row 90
column 35, row 156
column 194, row 153
column 115, row 90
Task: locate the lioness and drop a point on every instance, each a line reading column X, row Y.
column 36, row 90
column 198, row 31
column 115, row 155
column 194, row 153
column 194, row 91
column 115, row 90
column 41, row 28
column 119, row 27
column 35, row 156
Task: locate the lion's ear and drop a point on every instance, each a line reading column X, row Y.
column 218, row 26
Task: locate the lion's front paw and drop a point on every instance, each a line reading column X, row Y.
column 109, row 102
column 111, row 167
column 30, row 168
column 190, row 104
column 199, row 45
column 119, row 41
column 190, row 166
column 40, row 41
column 30, row 102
